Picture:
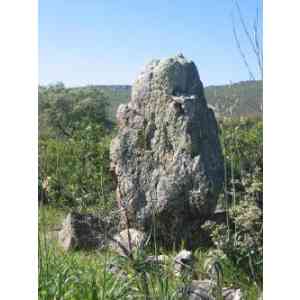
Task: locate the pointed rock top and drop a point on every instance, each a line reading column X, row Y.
column 173, row 76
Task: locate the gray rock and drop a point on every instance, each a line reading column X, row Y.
column 183, row 262
column 127, row 241
column 232, row 294
column 167, row 157
column 117, row 271
column 202, row 290
column 82, row 231
column 159, row 259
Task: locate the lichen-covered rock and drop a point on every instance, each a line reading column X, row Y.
column 203, row 290
column 199, row 290
column 115, row 269
column 183, row 262
column 232, row 294
column 167, row 157
column 127, row 241
column 157, row 260
column 82, row 231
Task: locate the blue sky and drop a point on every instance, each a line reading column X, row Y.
column 109, row 41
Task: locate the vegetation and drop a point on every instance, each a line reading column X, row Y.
column 74, row 143
column 236, row 100
column 232, row 100
column 86, row 275
column 241, row 238
column 75, row 130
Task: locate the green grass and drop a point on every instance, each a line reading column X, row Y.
column 77, row 276
column 84, row 275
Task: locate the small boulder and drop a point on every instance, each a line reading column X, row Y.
column 117, row 271
column 183, row 262
column 199, row 290
column 82, row 231
column 127, row 241
column 202, row 290
column 231, row 294
column 158, row 260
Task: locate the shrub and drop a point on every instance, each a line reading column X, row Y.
column 241, row 238
column 77, row 169
column 74, row 147
column 242, row 147
column 243, row 242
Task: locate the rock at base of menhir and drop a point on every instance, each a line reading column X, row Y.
column 157, row 259
column 232, row 294
column 202, row 290
column 127, row 241
column 183, row 262
column 166, row 157
column 82, row 231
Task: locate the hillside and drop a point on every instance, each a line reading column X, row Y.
column 116, row 94
column 239, row 99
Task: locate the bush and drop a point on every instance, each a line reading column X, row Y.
column 74, row 147
column 62, row 111
column 242, row 242
column 242, row 148
column 77, row 169
column 241, row 238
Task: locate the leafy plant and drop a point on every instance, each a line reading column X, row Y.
column 74, row 147
column 241, row 238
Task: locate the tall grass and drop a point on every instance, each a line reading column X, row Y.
column 87, row 275
column 77, row 275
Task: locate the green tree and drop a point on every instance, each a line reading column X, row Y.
column 73, row 146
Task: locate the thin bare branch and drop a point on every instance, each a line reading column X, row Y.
column 238, row 44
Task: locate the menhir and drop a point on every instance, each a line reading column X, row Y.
column 167, row 157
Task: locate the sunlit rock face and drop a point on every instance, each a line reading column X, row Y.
column 166, row 157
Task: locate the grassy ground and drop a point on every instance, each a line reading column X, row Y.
column 84, row 275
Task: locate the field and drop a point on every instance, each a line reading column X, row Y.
column 87, row 275
column 76, row 128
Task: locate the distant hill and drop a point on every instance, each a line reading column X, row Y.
column 116, row 94
column 239, row 99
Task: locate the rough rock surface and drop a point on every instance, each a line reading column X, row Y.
column 199, row 290
column 127, row 241
column 167, row 158
column 82, row 231
column 115, row 269
column 160, row 259
column 232, row 294
column 202, row 289
column 183, row 261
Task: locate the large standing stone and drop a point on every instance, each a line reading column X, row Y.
column 167, row 157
